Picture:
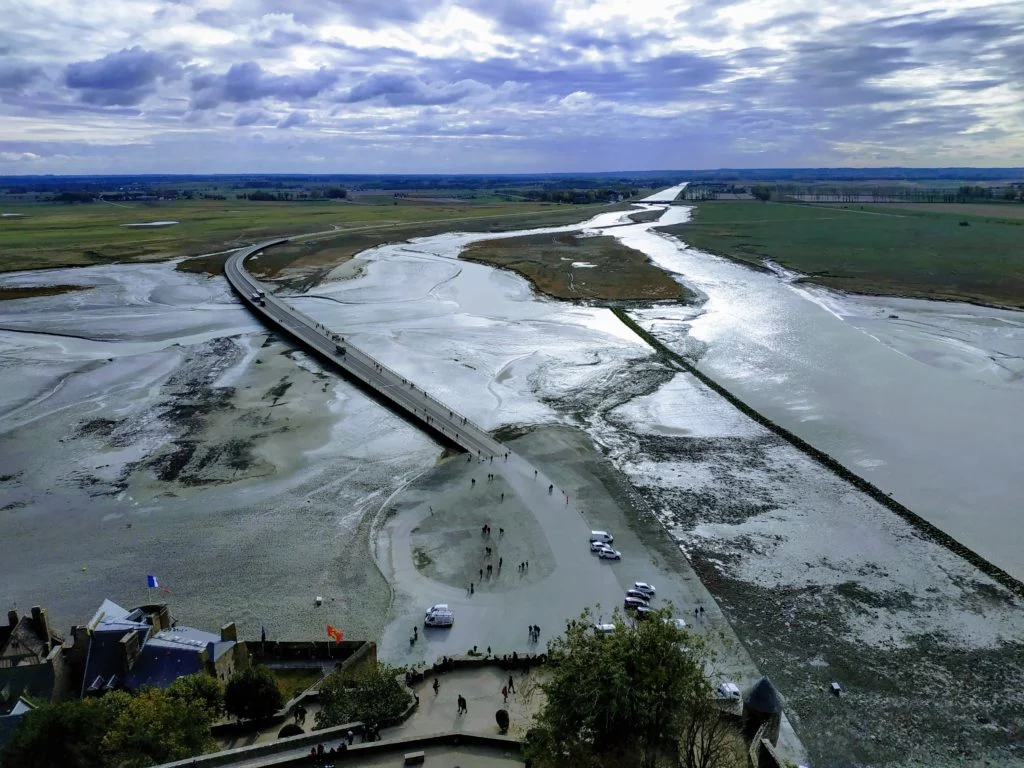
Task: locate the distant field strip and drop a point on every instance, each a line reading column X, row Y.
column 948, row 255
column 54, row 235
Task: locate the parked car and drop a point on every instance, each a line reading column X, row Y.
column 604, row 629
column 677, row 623
column 609, row 554
column 632, row 603
column 604, row 536
column 638, row 594
column 727, row 691
column 643, row 611
column 597, row 546
column 439, row 615
column 643, row 586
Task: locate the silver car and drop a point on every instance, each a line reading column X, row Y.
column 632, row 603
column 609, row 554
column 638, row 595
column 643, row 586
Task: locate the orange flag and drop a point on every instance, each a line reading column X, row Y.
column 335, row 634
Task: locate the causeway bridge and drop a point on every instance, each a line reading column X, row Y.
column 418, row 406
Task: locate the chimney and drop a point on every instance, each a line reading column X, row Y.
column 130, row 647
column 12, row 618
column 42, row 625
column 228, row 632
column 165, row 617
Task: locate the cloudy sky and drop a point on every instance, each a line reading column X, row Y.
column 375, row 86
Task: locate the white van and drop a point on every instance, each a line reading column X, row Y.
column 604, row 536
column 439, row 615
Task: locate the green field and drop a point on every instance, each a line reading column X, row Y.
column 872, row 249
column 55, row 235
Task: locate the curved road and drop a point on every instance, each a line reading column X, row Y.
column 357, row 363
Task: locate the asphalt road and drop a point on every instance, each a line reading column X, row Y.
column 358, row 363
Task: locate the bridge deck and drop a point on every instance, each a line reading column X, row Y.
column 416, row 404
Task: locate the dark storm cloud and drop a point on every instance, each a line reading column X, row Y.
column 123, row 78
column 604, row 40
column 249, row 117
column 659, row 79
column 248, row 81
column 516, row 15
column 14, row 77
column 983, row 39
column 293, row 119
column 403, row 89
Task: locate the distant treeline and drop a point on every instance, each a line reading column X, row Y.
column 333, row 193
column 860, row 193
column 576, row 196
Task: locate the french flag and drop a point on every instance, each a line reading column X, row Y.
column 151, row 582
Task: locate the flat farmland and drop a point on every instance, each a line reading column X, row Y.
column 1012, row 211
column 49, row 235
column 877, row 249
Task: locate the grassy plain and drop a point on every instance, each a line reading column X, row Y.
column 1012, row 211
column 55, row 235
column 619, row 273
column 872, row 249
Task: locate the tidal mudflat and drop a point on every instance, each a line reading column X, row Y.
column 152, row 426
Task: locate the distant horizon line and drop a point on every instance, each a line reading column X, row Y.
column 477, row 174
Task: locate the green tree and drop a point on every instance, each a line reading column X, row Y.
column 373, row 696
column 618, row 698
column 157, row 727
column 67, row 735
column 200, row 687
column 118, row 731
column 252, row 694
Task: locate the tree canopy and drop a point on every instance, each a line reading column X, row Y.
column 621, row 698
column 116, row 731
column 252, row 694
column 373, row 696
column 205, row 689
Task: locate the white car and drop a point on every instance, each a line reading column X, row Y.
column 604, row 536
column 439, row 615
column 604, row 629
column 597, row 546
column 727, row 692
column 643, row 586
column 609, row 554
column 677, row 623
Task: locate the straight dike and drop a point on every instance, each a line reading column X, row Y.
column 923, row 526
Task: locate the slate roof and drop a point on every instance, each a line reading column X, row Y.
column 23, row 640
column 764, row 698
column 164, row 656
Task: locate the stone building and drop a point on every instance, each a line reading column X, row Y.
column 142, row 647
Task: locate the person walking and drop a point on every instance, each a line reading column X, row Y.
column 511, row 684
column 437, row 686
column 504, row 693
